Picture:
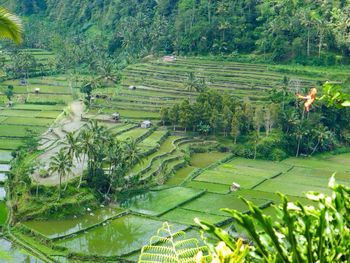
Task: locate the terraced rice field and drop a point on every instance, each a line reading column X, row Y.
column 202, row 196
column 119, row 237
column 31, row 112
column 53, row 229
column 161, row 83
column 182, row 191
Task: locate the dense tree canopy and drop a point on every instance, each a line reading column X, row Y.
column 279, row 29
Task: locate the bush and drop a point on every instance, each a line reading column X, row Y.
column 278, row 155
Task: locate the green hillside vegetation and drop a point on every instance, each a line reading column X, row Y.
column 126, row 126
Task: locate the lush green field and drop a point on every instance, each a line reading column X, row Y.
column 160, row 83
column 159, row 202
column 184, row 186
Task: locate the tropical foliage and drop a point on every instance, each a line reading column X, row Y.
column 10, row 26
column 308, row 32
column 94, row 148
column 271, row 131
column 168, row 246
column 302, row 233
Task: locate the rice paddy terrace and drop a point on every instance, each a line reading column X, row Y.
column 120, row 232
column 160, row 83
column 180, row 191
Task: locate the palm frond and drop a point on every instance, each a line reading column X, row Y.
column 167, row 246
column 10, row 26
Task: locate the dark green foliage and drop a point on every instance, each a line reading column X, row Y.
column 318, row 233
column 306, row 32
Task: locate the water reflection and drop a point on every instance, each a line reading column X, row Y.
column 2, row 193
column 4, row 168
column 9, row 253
column 60, row 228
column 121, row 236
column 3, row 177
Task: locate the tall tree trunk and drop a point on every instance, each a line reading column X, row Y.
column 308, row 42
column 59, row 189
column 82, row 172
column 209, row 14
column 66, row 185
column 320, row 45
column 314, row 149
column 298, row 147
column 255, row 149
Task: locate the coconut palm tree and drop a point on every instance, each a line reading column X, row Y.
column 86, row 147
column 322, row 134
column 191, row 82
column 10, row 26
column 132, row 152
column 72, row 145
column 61, row 164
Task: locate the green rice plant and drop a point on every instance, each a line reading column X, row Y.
column 185, row 216
column 156, row 203
column 167, row 246
column 28, row 121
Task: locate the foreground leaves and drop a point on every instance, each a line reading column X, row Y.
column 302, row 233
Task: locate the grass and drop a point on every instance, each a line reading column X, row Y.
column 155, row 203
column 247, row 173
column 166, row 147
column 202, row 160
column 184, row 216
column 293, row 189
column 133, row 134
column 18, row 131
column 210, row 187
column 212, row 203
column 28, row 121
column 319, row 163
column 180, row 176
column 153, row 140
column 38, row 107
column 7, row 144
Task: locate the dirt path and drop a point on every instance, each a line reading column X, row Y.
column 52, row 142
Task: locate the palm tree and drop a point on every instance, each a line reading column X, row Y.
column 72, row 145
column 132, row 152
column 10, row 26
column 61, row 164
column 322, row 134
column 191, row 82
column 86, row 147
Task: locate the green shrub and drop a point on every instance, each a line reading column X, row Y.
column 278, row 155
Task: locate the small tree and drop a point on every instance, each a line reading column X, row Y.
column 62, row 165
column 164, row 115
column 9, row 92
